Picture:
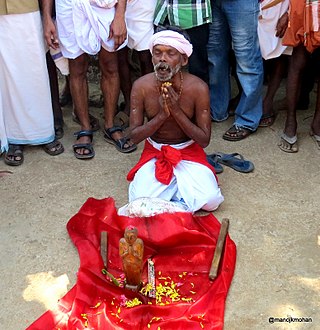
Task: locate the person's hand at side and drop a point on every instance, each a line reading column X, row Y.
column 282, row 25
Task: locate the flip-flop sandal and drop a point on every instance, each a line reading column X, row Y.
column 87, row 146
column 53, row 148
column 5, row 173
column 213, row 161
column 235, row 161
column 236, row 133
column 267, row 120
column 121, row 119
column 94, row 122
column 316, row 139
column 119, row 143
column 15, row 151
column 288, row 144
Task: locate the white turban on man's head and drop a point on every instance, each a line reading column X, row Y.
column 173, row 39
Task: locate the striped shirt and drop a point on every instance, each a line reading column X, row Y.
column 183, row 13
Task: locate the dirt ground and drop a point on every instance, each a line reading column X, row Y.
column 274, row 221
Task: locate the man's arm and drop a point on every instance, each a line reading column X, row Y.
column 49, row 29
column 118, row 28
column 138, row 131
column 200, row 129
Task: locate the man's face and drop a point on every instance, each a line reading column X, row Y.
column 167, row 61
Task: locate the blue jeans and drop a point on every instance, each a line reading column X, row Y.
column 235, row 25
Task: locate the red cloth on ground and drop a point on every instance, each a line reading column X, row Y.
column 181, row 246
column 167, row 158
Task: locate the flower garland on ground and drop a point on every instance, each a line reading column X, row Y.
column 167, row 292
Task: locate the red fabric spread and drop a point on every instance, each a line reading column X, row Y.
column 168, row 158
column 177, row 243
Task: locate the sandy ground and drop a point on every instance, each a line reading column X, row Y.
column 273, row 212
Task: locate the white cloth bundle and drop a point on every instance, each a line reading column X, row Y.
column 148, row 206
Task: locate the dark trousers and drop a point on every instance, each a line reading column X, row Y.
column 198, row 61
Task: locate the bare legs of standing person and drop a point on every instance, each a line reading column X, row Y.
column 110, row 86
column 277, row 67
column 297, row 62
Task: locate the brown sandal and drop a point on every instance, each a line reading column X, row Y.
column 11, row 157
column 94, row 122
column 236, row 133
column 267, row 119
column 53, row 148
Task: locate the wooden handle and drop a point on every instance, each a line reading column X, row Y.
column 104, row 248
column 219, row 249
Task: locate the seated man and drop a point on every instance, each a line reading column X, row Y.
column 173, row 164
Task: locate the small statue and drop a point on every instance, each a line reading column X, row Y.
column 131, row 253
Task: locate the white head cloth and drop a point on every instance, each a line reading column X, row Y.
column 173, row 39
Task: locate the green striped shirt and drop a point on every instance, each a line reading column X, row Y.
column 183, row 13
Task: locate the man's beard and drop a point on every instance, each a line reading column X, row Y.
column 168, row 69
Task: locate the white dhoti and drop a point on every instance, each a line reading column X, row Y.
column 25, row 100
column 270, row 45
column 3, row 134
column 139, row 18
column 192, row 184
column 83, row 28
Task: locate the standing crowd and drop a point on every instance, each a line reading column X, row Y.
column 256, row 40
